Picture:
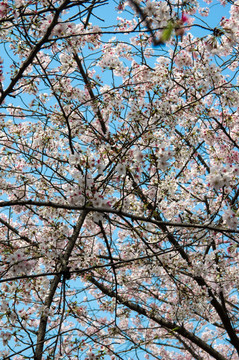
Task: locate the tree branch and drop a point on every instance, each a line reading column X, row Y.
column 44, row 317
column 159, row 320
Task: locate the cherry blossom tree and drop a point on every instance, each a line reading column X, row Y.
column 119, row 180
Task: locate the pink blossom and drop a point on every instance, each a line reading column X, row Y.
column 3, row 9
column 184, row 18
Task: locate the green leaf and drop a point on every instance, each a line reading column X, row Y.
column 167, row 32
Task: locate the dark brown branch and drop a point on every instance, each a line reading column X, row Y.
column 34, row 52
column 89, row 88
column 117, row 212
column 15, row 231
column 170, row 326
column 63, row 266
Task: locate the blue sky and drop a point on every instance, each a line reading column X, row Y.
column 107, row 12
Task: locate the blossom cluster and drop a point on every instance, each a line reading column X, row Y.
column 119, row 180
column 19, row 263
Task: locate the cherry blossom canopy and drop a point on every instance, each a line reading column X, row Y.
column 119, row 127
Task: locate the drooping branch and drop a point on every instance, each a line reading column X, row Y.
column 199, row 279
column 170, row 326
